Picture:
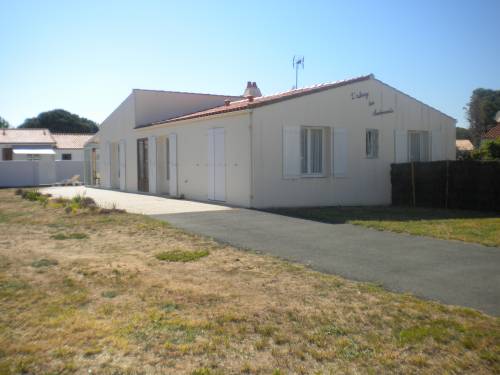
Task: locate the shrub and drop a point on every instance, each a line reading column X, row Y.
column 18, row 192
column 489, row 150
column 107, row 211
column 31, row 195
column 181, row 255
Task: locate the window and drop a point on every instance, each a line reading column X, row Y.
column 372, row 143
column 66, row 156
column 311, row 151
column 418, row 146
column 6, row 154
column 33, row 157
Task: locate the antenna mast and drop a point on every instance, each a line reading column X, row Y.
column 296, row 62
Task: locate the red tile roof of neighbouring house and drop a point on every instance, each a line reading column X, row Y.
column 71, row 140
column 43, row 136
column 493, row 133
column 26, row 136
column 464, row 145
column 240, row 105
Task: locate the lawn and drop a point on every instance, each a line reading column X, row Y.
column 461, row 225
column 84, row 291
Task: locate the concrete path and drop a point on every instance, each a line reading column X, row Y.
column 448, row 271
column 135, row 203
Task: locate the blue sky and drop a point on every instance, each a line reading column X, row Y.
column 86, row 56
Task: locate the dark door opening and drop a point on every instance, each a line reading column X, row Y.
column 142, row 165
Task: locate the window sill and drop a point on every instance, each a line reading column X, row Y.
column 312, row 176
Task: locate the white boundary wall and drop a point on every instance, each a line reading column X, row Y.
column 34, row 173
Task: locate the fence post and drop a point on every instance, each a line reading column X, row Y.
column 413, row 184
column 447, row 183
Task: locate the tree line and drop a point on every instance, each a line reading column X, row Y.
column 57, row 121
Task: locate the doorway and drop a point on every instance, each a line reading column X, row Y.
column 142, row 165
column 216, row 165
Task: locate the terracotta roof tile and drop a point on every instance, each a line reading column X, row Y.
column 71, row 140
column 26, row 136
column 464, row 145
column 493, row 133
column 240, row 105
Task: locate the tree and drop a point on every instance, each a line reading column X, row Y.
column 481, row 110
column 4, row 124
column 463, row 133
column 489, row 150
column 61, row 121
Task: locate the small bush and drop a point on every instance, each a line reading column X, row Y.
column 18, row 192
column 71, row 236
column 181, row 255
column 31, row 195
column 107, row 211
column 81, row 201
column 489, row 150
column 44, row 263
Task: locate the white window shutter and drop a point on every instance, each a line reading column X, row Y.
column 122, row 164
column 152, row 163
column 291, row 151
column 437, row 145
column 107, row 158
column 172, row 148
column 400, row 146
column 211, row 164
column 340, row 152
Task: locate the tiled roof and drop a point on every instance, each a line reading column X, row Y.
column 71, row 140
column 240, row 105
column 464, row 145
column 26, row 136
column 493, row 133
column 93, row 139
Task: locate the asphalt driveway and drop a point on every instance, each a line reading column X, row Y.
column 448, row 271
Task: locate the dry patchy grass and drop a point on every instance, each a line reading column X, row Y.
column 105, row 303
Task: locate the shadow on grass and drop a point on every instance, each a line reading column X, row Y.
column 341, row 215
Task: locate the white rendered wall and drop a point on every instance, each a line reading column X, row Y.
column 367, row 181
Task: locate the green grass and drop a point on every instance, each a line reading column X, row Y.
column 109, row 294
column 461, row 225
column 181, row 255
column 44, row 263
column 70, row 236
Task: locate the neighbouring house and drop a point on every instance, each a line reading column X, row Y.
column 464, row 148
column 91, row 174
column 328, row 144
column 31, row 157
column 492, row 134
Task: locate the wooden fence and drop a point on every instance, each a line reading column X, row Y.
column 471, row 185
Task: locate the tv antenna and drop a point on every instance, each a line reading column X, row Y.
column 296, row 62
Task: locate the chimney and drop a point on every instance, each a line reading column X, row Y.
column 252, row 90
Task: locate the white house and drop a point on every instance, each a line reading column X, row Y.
column 329, row 144
column 41, row 144
column 31, row 157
